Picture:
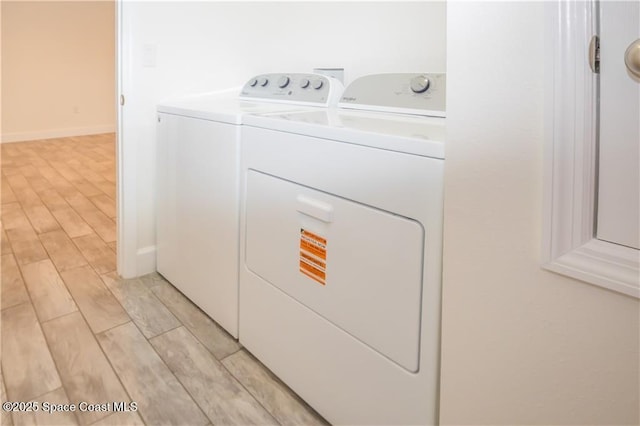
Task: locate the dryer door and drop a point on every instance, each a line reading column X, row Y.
column 357, row 266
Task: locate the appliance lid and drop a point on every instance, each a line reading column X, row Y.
column 223, row 108
column 424, row 136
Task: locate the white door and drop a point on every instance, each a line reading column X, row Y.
column 619, row 176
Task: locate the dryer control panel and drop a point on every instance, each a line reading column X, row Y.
column 408, row 93
column 296, row 88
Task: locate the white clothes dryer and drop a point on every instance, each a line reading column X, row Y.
column 198, row 158
column 341, row 249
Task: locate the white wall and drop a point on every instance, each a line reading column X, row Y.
column 58, row 69
column 203, row 46
column 520, row 345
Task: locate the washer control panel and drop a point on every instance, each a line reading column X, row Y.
column 409, row 93
column 298, row 88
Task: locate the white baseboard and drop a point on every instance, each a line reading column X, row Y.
column 57, row 133
column 146, row 260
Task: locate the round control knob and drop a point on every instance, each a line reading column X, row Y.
column 253, row 82
column 317, row 84
column 283, row 82
column 263, row 81
column 420, row 84
column 304, row 83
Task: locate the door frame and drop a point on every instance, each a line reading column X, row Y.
column 126, row 186
column 569, row 246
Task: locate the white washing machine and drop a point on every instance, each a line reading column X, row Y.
column 341, row 249
column 198, row 158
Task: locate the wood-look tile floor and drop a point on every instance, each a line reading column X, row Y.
column 73, row 331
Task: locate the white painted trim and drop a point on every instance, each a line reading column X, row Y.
column 146, row 260
column 601, row 263
column 57, row 133
column 126, row 156
column 570, row 174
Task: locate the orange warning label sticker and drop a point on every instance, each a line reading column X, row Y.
column 313, row 256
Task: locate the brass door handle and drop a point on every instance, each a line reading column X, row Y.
column 632, row 58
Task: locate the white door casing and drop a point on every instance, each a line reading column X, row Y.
column 569, row 246
column 126, row 151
